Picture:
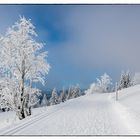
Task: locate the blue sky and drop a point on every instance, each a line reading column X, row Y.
column 83, row 41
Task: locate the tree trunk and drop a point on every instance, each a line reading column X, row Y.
column 22, row 105
column 29, row 110
column 22, row 113
column 27, row 107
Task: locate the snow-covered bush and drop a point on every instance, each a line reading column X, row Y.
column 22, row 63
column 8, row 93
column 102, row 85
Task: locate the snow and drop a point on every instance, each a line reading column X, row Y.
column 92, row 114
column 128, row 107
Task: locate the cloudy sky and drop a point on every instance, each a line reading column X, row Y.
column 83, row 41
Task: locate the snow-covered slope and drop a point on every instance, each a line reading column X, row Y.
column 128, row 107
column 93, row 114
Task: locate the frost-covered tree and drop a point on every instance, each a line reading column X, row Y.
column 22, row 61
column 62, row 97
column 125, row 80
column 54, row 98
column 76, row 92
column 102, row 85
column 45, row 101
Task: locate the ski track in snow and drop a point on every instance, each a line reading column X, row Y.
column 87, row 115
column 31, row 121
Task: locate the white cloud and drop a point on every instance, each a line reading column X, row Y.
column 103, row 37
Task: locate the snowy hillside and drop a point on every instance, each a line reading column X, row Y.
column 128, row 107
column 92, row 114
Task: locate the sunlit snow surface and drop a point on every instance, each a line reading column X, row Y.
column 92, row 114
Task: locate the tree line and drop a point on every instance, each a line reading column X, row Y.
column 63, row 96
column 104, row 83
